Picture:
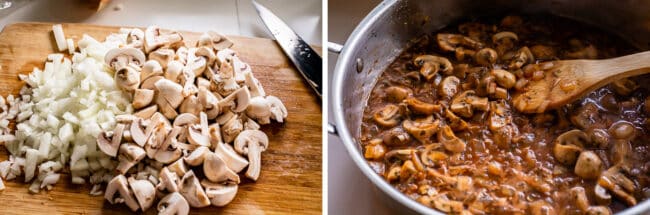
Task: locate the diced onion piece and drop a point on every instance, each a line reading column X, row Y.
column 59, row 37
column 70, row 44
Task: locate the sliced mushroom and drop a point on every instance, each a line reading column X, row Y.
column 260, row 109
column 521, row 58
column 598, row 210
column 396, row 136
column 234, row 161
column 149, row 82
column 154, row 38
column 568, row 145
column 147, row 112
column 216, row 169
column 504, row 41
column 224, row 82
column 195, row 135
column 486, row 56
column 214, row 40
column 214, row 130
column 173, row 204
column 620, row 185
column 130, row 154
column 191, row 189
column 602, row 197
column 279, row 112
column 191, row 105
column 421, row 107
column 163, row 56
column 178, row 167
column 462, row 104
column 142, row 98
column 589, row 165
column 210, row 103
column 118, row 58
column 127, row 78
column 185, row 119
column 455, row 122
column 449, row 140
column 252, row 143
column 196, row 157
column 170, row 91
column 238, row 100
column 449, row 42
column 111, row 147
column 397, row 94
column 118, row 185
column 449, row 86
column 231, row 128
column 430, row 65
column 135, row 38
column 622, row 130
column 220, row 194
column 579, row 198
column 168, row 180
column 174, row 70
column 421, row 129
column 149, row 69
column 504, row 78
column 169, row 151
column 144, row 192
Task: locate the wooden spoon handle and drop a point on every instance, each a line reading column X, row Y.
column 620, row 67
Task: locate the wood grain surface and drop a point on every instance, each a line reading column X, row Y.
column 290, row 180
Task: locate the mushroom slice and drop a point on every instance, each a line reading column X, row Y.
column 216, row 169
column 234, row 161
column 170, row 91
column 237, row 101
column 449, row 42
column 578, row 195
column 620, row 185
column 449, row 140
column 173, row 204
column 196, row 157
column 568, row 145
column 168, row 180
column 499, row 116
column 174, row 70
column 118, row 185
column 521, row 58
column 151, row 68
column 259, row 109
column 144, row 192
column 191, row 105
column 149, row 82
column 602, row 197
column 504, row 78
column 127, row 78
column 106, row 145
column 178, row 167
column 130, row 154
column 135, row 38
column 220, row 194
column 185, row 119
column 449, row 86
column 118, row 58
column 397, row 94
column 277, row 108
column 421, row 129
column 214, row 40
column 598, row 210
column 191, row 189
column 155, row 38
column 430, row 65
column 254, row 85
column 137, row 132
column 169, row 151
column 163, row 56
column 231, row 129
column 589, row 165
column 142, row 98
column 455, row 122
column 147, row 112
column 224, row 82
column 195, row 136
column 252, row 143
column 498, row 37
column 214, row 130
column 209, row 102
column 421, row 107
column 462, row 104
column 486, row 56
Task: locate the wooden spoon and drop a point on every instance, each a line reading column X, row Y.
column 567, row 80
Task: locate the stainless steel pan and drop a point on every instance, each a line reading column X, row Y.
column 389, row 28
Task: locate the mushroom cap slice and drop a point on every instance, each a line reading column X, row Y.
column 151, row 68
column 237, row 101
column 106, row 145
column 277, row 108
column 142, row 98
column 430, row 65
column 220, row 194
column 259, row 109
column 589, row 165
column 569, row 145
column 178, row 167
column 216, row 169
column 120, row 57
column 185, row 119
column 191, row 105
column 423, row 129
column 195, row 136
column 144, row 192
column 130, row 154
column 252, row 143
column 173, row 204
column 170, row 91
column 119, row 185
column 191, row 189
column 138, row 133
column 233, row 160
column 196, row 157
column 163, row 56
column 168, row 180
column 214, row 40
column 127, row 78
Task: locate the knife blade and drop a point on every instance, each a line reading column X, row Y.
column 306, row 60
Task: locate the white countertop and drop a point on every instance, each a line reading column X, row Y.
column 349, row 191
column 230, row 17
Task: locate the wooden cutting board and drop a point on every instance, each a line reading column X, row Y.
column 290, row 180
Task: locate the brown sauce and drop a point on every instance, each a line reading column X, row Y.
column 450, row 139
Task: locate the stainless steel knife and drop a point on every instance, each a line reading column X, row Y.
column 308, row 62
